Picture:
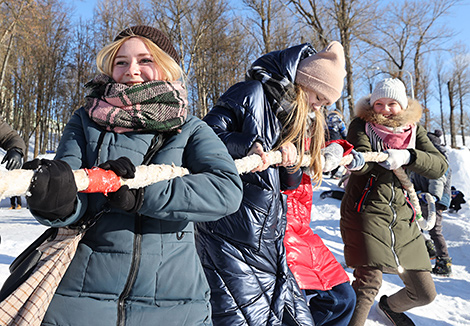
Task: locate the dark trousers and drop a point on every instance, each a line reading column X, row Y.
column 419, row 290
column 332, row 307
column 15, row 200
column 438, row 238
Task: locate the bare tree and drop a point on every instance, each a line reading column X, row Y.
column 451, row 92
column 426, row 96
column 408, row 31
column 342, row 20
column 440, row 84
column 210, row 43
column 269, row 25
column 112, row 16
column 351, row 16
column 11, row 14
column 461, row 76
column 429, row 34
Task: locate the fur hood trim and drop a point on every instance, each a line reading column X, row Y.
column 411, row 115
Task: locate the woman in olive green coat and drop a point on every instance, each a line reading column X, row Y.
column 377, row 219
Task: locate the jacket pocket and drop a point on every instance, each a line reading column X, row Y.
column 360, row 203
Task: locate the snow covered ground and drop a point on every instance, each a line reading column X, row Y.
column 451, row 307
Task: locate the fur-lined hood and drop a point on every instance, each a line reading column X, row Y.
column 411, row 115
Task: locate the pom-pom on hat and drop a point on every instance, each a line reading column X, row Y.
column 323, row 72
column 154, row 35
column 390, row 88
column 438, row 132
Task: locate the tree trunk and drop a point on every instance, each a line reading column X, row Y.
column 450, row 86
column 462, row 124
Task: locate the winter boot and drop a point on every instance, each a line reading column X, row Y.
column 336, row 194
column 397, row 318
column 443, row 266
column 326, row 194
column 431, row 249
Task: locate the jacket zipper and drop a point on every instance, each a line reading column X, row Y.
column 399, row 267
column 135, row 262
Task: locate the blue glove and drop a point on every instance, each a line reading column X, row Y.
column 396, row 158
column 358, row 161
column 422, row 197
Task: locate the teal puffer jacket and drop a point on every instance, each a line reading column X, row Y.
column 143, row 269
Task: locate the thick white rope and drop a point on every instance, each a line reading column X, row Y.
column 17, row 182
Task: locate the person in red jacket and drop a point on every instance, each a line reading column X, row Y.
column 330, row 296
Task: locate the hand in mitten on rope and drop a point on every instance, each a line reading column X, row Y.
column 332, row 155
column 123, row 167
column 53, row 191
column 124, row 198
column 357, row 162
column 396, row 158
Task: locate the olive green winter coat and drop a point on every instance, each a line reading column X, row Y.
column 377, row 219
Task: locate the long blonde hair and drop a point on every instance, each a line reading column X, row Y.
column 299, row 128
column 105, row 58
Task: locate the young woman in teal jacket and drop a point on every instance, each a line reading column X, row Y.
column 137, row 265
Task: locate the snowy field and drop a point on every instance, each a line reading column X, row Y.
column 451, row 307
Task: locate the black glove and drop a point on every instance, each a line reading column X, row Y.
column 123, row 167
column 52, row 191
column 126, row 199
column 13, row 158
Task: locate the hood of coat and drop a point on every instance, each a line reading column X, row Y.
column 411, row 115
column 276, row 72
column 282, row 63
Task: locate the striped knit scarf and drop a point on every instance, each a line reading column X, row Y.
column 151, row 106
column 383, row 137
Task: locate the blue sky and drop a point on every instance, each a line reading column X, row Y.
column 459, row 19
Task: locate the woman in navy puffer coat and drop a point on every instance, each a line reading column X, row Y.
column 243, row 253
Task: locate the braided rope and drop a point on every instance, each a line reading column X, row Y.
column 16, row 182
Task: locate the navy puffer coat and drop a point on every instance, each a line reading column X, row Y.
column 243, row 253
column 143, row 269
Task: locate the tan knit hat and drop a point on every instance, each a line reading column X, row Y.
column 154, row 35
column 324, row 72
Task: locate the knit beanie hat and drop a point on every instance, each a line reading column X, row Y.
column 154, row 35
column 435, row 137
column 324, row 72
column 390, row 88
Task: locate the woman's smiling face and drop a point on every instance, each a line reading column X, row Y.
column 387, row 107
column 134, row 64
